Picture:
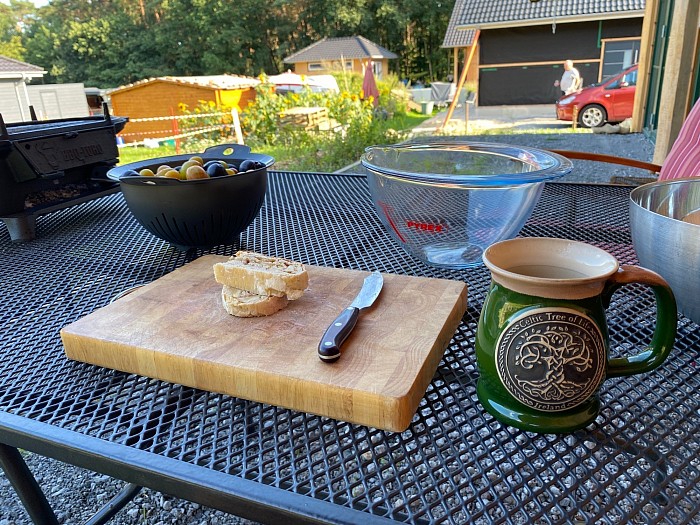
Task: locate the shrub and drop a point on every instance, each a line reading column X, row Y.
column 357, row 122
column 261, row 118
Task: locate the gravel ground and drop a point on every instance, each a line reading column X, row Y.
column 634, row 146
column 76, row 493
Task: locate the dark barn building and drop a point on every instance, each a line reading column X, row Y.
column 522, row 45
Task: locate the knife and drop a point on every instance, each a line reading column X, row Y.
column 340, row 328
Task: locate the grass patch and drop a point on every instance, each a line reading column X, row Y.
column 408, row 120
column 129, row 154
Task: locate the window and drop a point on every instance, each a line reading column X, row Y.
column 619, row 55
column 336, row 64
column 628, row 80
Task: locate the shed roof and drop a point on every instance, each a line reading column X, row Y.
column 340, row 48
column 205, row 81
column 457, row 37
column 11, row 67
column 468, row 15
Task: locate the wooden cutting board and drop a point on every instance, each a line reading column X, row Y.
column 176, row 329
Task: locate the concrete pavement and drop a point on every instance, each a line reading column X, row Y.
column 470, row 119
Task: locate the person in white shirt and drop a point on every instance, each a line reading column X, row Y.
column 571, row 79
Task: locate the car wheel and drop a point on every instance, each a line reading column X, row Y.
column 592, row 116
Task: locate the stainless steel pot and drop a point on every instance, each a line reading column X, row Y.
column 665, row 227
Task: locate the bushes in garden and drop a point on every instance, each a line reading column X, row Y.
column 356, row 124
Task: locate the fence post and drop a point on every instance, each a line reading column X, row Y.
column 574, row 115
column 176, row 131
column 237, row 125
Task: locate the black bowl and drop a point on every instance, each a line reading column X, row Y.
column 196, row 213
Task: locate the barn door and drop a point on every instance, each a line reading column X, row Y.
column 49, row 104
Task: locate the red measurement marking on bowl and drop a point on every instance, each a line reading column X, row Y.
column 427, row 226
column 387, row 213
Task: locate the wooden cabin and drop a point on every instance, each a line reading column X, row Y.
column 349, row 54
column 159, row 99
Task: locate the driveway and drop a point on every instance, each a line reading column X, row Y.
column 468, row 119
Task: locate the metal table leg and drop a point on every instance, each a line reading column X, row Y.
column 33, row 497
column 110, row 510
column 25, row 485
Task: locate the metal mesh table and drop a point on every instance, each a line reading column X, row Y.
column 638, row 463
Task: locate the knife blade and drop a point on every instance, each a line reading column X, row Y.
column 342, row 326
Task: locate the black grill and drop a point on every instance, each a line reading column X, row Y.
column 638, row 463
column 47, row 165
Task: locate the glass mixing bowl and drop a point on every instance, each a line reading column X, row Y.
column 446, row 202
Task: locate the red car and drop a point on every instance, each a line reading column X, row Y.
column 611, row 100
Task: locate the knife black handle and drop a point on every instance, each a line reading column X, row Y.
column 338, row 331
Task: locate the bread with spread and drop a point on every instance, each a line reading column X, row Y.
column 245, row 304
column 263, row 275
column 257, row 285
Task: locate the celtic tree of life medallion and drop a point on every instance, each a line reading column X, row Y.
column 551, row 359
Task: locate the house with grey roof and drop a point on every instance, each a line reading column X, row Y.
column 14, row 95
column 522, row 44
column 17, row 70
column 341, row 54
column 20, row 89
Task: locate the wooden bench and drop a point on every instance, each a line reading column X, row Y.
column 306, row 118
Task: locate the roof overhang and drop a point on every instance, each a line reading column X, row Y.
column 546, row 21
column 19, row 75
column 337, row 59
column 179, row 81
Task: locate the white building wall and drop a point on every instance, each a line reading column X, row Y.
column 50, row 101
column 11, row 95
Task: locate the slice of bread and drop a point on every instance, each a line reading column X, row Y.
column 263, row 275
column 245, row 304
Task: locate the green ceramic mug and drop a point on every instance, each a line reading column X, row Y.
column 542, row 341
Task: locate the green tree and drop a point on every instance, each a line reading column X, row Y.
column 104, row 43
column 113, row 42
column 14, row 18
column 414, row 30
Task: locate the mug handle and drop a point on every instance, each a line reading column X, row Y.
column 666, row 321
